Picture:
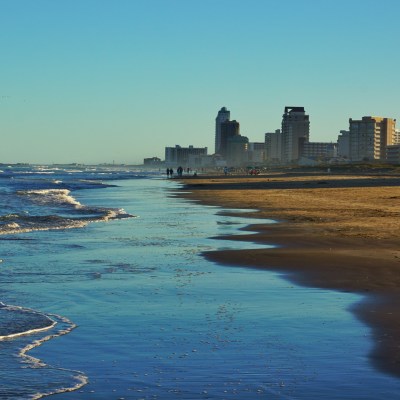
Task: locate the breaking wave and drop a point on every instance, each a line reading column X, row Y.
column 68, row 213
column 50, row 197
column 23, row 322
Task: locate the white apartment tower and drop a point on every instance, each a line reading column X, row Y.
column 295, row 132
column 223, row 116
column 370, row 136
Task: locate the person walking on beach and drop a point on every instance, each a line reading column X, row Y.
column 167, row 172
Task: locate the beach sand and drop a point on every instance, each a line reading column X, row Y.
column 336, row 232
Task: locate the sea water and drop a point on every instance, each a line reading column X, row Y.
column 105, row 295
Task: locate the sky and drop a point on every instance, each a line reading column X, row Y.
column 102, row 81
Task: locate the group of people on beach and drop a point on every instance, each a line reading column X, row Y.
column 179, row 171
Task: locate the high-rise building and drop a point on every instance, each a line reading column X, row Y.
column 295, row 132
column 273, row 147
column 343, row 144
column 223, row 115
column 256, row 152
column 370, row 136
column 237, row 151
column 228, row 129
column 175, row 156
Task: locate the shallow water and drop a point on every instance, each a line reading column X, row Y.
column 158, row 321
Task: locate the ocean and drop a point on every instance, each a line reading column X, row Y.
column 105, row 294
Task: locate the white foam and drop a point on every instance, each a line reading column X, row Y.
column 29, row 331
column 51, row 196
column 19, row 223
column 79, row 376
column 14, row 228
column 11, row 226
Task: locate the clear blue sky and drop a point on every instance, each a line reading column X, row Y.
column 94, row 81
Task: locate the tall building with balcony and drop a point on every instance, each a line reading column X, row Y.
column 370, row 136
column 223, row 116
column 295, row 132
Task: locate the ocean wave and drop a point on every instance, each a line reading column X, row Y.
column 50, row 197
column 66, row 326
column 19, row 321
column 32, row 172
column 39, row 206
column 34, row 322
column 23, row 223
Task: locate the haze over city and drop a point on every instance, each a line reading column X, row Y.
column 102, row 81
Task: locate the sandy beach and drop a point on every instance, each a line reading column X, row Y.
column 337, row 232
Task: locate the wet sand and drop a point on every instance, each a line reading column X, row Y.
column 339, row 232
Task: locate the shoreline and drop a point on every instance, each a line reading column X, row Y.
column 343, row 236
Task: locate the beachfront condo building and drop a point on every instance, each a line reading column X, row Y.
column 397, row 136
column 256, row 153
column 181, row 156
column 370, row 136
column 228, row 130
column 237, row 151
column 295, row 132
column 273, row 147
column 152, row 162
column 319, row 150
column 223, row 115
column 393, row 154
column 343, row 145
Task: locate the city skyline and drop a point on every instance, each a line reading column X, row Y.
column 101, row 81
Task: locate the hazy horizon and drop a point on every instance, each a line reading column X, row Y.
column 100, row 81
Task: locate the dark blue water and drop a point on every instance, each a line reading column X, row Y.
column 141, row 315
